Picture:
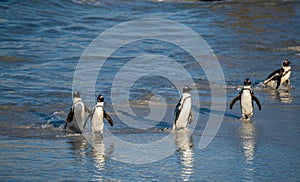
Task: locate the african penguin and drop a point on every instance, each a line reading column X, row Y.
column 279, row 76
column 97, row 115
column 246, row 97
column 77, row 114
column 183, row 110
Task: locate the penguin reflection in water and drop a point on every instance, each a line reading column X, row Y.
column 183, row 110
column 246, row 97
column 280, row 76
column 97, row 116
column 77, row 114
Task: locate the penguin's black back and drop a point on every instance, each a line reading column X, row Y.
column 279, row 71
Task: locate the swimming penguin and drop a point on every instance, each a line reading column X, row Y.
column 183, row 110
column 246, row 97
column 77, row 114
column 279, row 76
column 97, row 115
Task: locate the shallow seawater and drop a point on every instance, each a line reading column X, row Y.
column 42, row 43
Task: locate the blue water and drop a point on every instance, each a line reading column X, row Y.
column 42, row 42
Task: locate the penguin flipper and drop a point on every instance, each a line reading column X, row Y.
column 256, row 100
column 69, row 118
column 277, row 77
column 278, row 81
column 273, row 76
column 108, row 118
column 91, row 114
column 177, row 110
column 190, row 117
column 238, row 97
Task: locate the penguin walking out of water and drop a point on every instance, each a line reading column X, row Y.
column 246, row 97
column 97, row 115
column 77, row 114
column 183, row 110
column 280, row 76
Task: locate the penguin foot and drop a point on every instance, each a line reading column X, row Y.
column 245, row 118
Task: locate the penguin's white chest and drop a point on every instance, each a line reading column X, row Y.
column 185, row 111
column 285, row 77
column 97, row 120
column 246, row 102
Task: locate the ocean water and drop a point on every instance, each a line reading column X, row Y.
column 42, row 43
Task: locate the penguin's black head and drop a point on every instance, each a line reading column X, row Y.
column 247, row 82
column 100, row 98
column 76, row 94
column 285, row 63
column 186, row 89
